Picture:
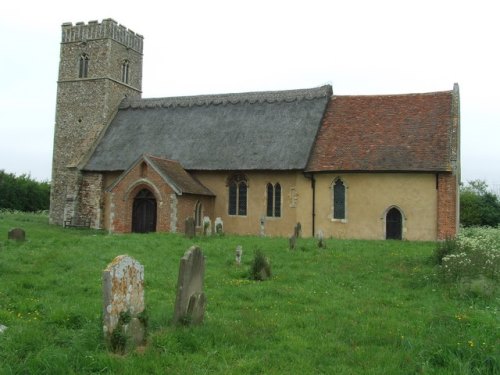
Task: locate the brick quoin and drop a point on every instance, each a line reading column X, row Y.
column 448, row 213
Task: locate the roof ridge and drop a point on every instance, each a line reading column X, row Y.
column 233, row 98
column 449, row 92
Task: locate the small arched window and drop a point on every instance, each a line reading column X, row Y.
column 338, row 199
column 197, row 213
column 125, row 68
column 237, row 189
column 273, row 200
column 83, row 69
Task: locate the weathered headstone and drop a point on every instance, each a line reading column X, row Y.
column 17, row 234
column 190, row 300
column 262, row 226
column 239, row 254
column 190, row 228
column 123, row 297
column 297, row 230
column 207, row 226
column 2, row 328
column 219, row 226
column 321, row 239
column 292, row 242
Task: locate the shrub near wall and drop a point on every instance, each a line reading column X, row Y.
column 22, row 193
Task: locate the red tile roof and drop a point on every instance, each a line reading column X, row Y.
column 409, row 132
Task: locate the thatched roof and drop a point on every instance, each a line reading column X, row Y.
column 247, row 131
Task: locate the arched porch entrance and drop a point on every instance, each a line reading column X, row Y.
column 144, row 212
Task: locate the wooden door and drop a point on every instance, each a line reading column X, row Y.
column 144, row 212
column 393, row 224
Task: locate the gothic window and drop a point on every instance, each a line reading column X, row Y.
column 273, row 200
column 83, row 70
column 197, row 213
column 237, row 189
column 338, row 199
column 125, row 67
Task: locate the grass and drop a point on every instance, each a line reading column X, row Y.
column 356, row 307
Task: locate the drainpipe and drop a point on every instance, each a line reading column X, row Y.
column 313, row 186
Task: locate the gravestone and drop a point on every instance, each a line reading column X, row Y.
column 207, row 226
column 190, row 300
column 292, row 242
column 262, row 226
column 190, row 228
column 239, row 254
column 321, row 240
column 17, row 234
column 297, row 230
column 123, row 297
column 219, row 226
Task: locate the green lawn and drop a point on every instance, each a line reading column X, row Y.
column 356, row 307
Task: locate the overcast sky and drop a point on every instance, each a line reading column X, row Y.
column 211, row 47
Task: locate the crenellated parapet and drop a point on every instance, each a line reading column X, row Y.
column 109, row 28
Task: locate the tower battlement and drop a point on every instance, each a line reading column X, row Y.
column 108, row 28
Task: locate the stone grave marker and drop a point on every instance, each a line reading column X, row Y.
column 190, row 228
column 219, row 226
column 292, row 242
column 262, row 226
column 190, row 300
column 17, row 234
column 321, row 240
column 239, row 254
column 207, row 226
column 123, row 303
column 297, row 230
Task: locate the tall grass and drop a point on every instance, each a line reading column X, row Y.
column 356, row 307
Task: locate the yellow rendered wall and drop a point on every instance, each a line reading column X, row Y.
column 370, row 195
column 295, row 202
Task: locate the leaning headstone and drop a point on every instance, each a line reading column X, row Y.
column 297, row 230
column 190, row 300
column 292, row 242
column 190, row 228
column 2, row 328
column 219, row 226
column 17, row 234
column 123, row 296
column 239, row 254
column 207, row 226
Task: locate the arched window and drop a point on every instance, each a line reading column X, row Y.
column 274, row 200
column 197, row 213
column 125, row 67
column 338, row 199
column 394, row 224
column 237, row 189
column 83, row 70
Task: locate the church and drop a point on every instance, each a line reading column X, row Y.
column 362, row 166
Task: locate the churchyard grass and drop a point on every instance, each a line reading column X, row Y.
column 356, row 307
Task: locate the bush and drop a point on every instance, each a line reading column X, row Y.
column 475, row 255
column 260, row 268
column 23, row 193
column 478, row 206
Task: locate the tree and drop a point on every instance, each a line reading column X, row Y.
column 23, row 193
column 478, row 206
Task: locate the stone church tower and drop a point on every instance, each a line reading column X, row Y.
column 100, row 64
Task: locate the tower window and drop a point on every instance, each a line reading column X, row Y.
column 273, row 200
column 237, row 186
column 84, row 66
column 125, row 67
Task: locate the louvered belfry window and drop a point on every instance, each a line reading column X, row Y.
column 339, row 200
column 237, row 189
column 83, row 69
